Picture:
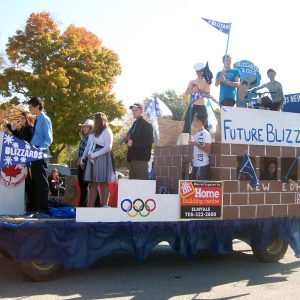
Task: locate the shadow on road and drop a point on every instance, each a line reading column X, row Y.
column 164, row 275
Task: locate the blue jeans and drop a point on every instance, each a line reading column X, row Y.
column 201, row 173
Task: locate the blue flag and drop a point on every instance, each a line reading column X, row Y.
column 15, row 151
column 152, row 112
column 223, row 27
column 292, row 103
column 248, row 170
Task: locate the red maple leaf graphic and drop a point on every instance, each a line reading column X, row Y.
column 11, row 171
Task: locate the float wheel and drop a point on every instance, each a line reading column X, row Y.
column 273, row 253
column 36, row 270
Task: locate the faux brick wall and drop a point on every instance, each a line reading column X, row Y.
column 170, row 164
column 269, row 199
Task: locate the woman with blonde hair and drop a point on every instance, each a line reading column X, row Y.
column 99, row 168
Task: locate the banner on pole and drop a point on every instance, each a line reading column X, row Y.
column 154, row 109
column 223, row 27
column 15, row 151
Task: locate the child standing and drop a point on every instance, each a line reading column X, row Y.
column 202, row 147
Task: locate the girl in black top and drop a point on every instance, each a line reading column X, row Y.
column 54, row 183
column 25, row 131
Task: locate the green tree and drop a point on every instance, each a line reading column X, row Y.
column 120, row 149
column 175, row 103
column 72, row 71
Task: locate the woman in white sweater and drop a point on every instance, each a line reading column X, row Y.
column 99, row 168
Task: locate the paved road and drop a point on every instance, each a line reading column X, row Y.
column 165, row 275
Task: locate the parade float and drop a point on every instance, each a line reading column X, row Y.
column 193, row 216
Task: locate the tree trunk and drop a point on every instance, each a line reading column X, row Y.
column 55, row 154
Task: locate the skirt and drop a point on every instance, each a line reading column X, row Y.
column 100, row 169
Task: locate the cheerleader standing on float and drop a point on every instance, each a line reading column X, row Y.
column 200, row 84
column 99, row 167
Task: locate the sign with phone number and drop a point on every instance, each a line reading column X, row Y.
column 200, row 199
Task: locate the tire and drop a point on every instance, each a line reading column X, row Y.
column 36, row 270
column 274, row 252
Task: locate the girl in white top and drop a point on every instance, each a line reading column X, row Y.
column 99, row 168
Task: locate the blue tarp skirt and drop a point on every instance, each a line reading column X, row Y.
column 78, row 245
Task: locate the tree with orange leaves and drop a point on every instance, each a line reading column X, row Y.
column 71, row 70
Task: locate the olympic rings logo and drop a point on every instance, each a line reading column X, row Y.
column 138, row 206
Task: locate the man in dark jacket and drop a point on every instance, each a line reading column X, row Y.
column 139, row 141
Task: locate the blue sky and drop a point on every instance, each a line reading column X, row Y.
column 159, row 41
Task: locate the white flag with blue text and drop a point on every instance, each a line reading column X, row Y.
column 155, row 108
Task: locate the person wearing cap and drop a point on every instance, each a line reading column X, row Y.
column 275, row 89
column 200, row 84
column 229, row 80
column 139, row 140
column 86, row 129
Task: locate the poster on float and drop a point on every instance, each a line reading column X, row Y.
column 250, row 78
column 200, row 199
column 259, row 127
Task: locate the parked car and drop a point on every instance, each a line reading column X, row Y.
column 63, row 170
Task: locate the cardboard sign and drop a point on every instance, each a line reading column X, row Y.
column 200, row 199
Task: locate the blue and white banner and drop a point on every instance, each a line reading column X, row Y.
column 223, row 27
column 15, row 151
column 292, row 103
column 248, row 170
column 155, row 108
column 259, row 127
column 197, row 95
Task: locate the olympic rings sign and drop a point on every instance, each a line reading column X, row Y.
column 138, row 206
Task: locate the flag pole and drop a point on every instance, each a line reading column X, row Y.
column 191, row 113
column 227, row 44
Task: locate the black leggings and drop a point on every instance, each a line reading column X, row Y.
column 83, row 187
column 200, row 110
